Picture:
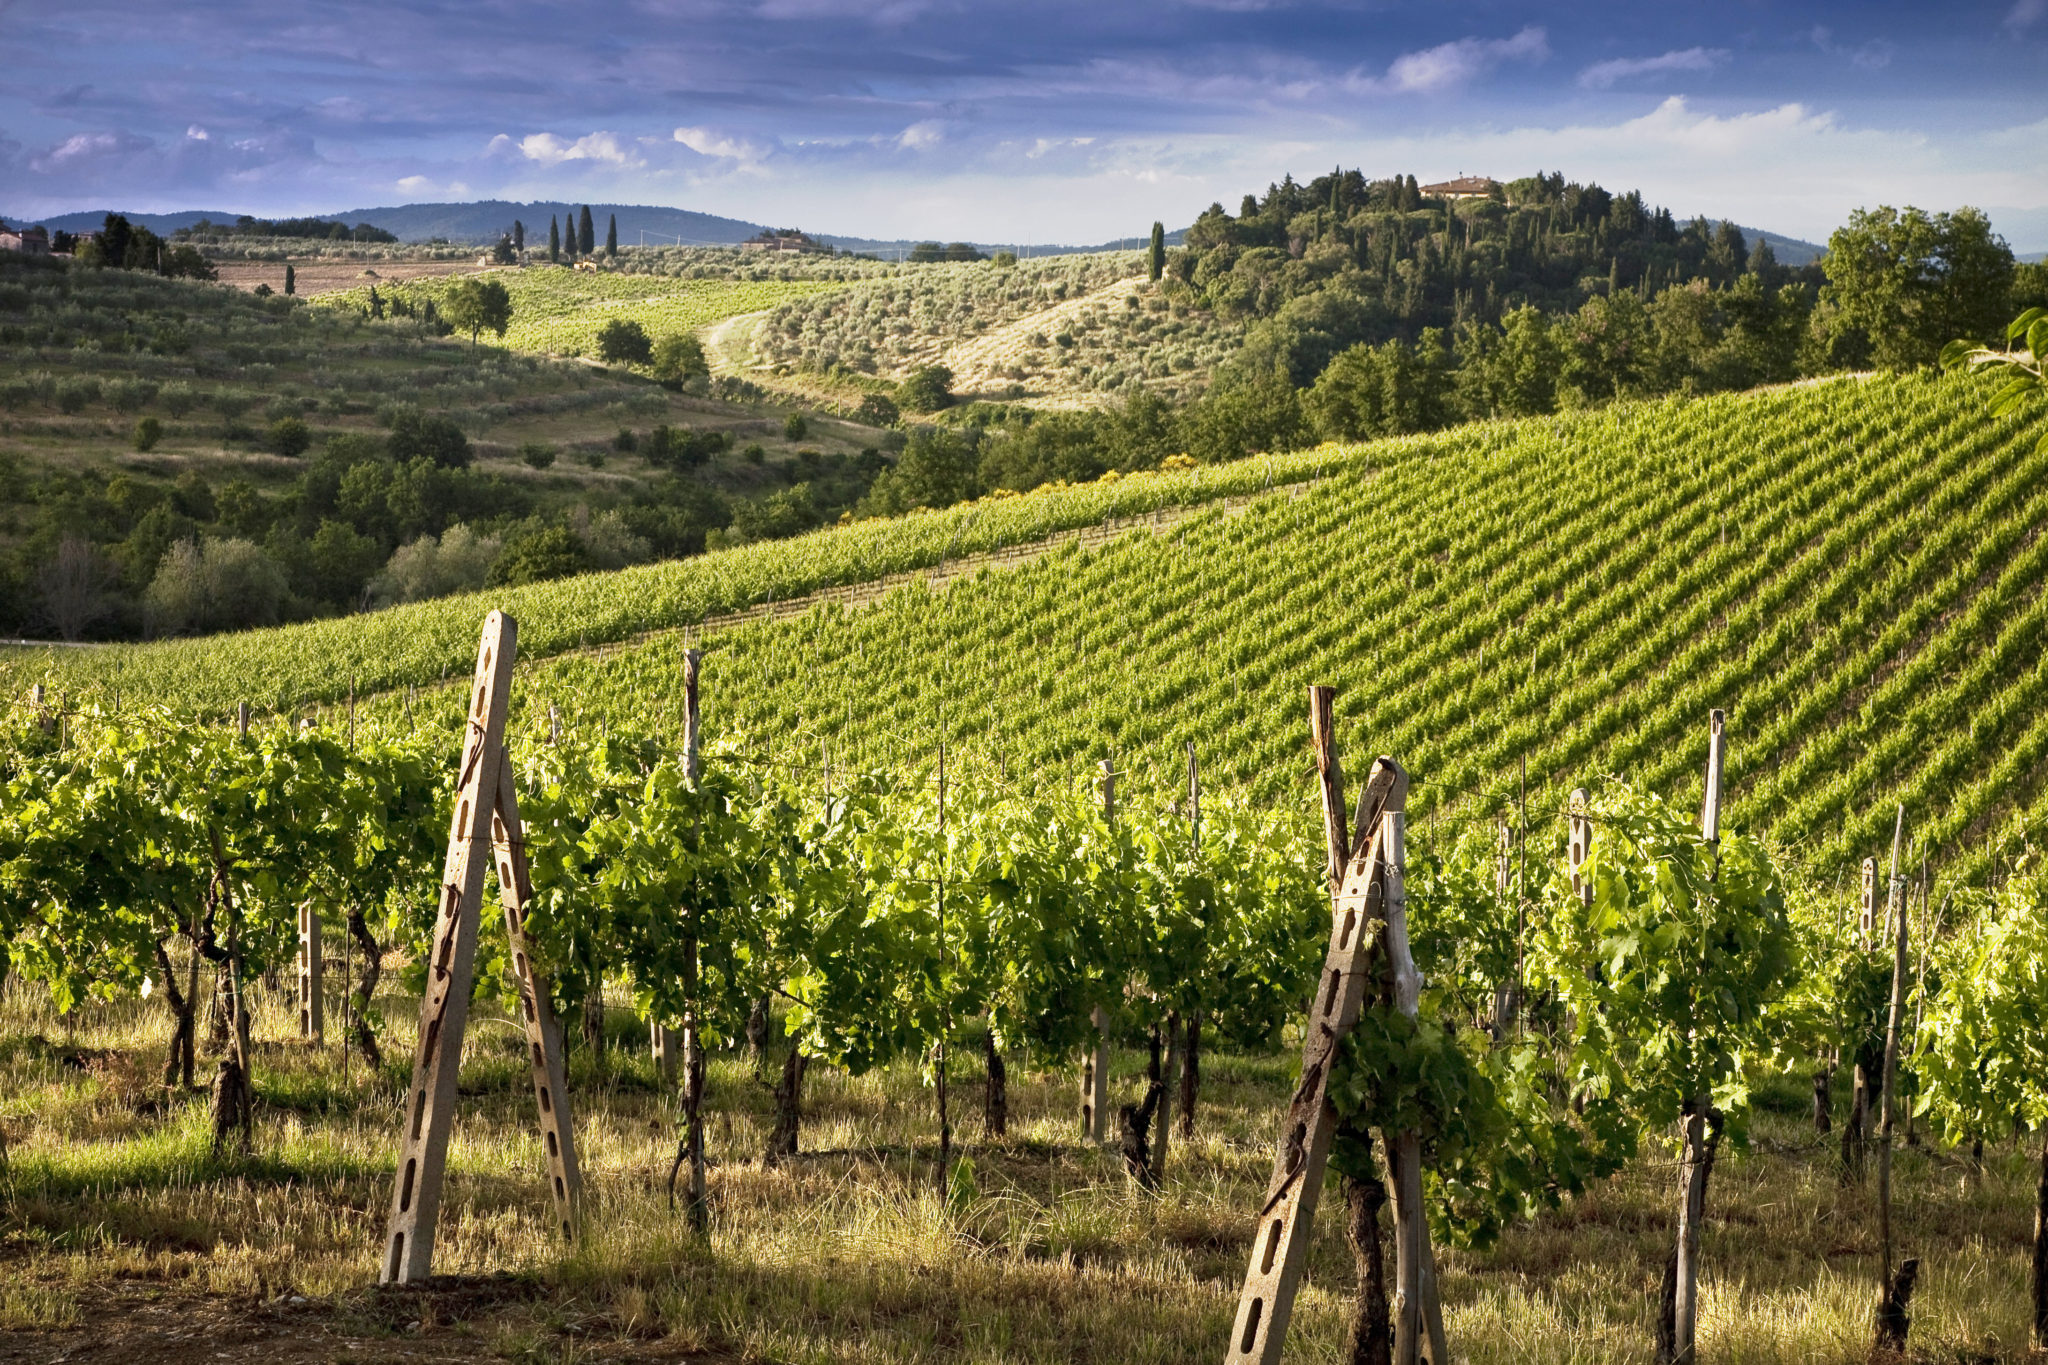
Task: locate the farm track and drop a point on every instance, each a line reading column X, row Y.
column 977, row 363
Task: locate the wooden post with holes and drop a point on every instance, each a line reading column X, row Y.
column 486, row 821
column 312, row 1004
column 1692, row 1164
column 1579, row 844
column 1280, row 1242
column 1868, row 922
column 1095, row 1068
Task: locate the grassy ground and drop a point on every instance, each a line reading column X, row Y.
column 122, row 1234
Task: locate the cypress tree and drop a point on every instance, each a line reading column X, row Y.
column 554, row 238
column 611, row 236
column 586, row 234
column 518, row 235
column 291, row 280
column 1156, row 264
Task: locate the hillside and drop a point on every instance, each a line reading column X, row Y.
column 1851, row 569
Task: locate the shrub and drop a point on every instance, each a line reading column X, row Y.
column 625, row 442
column 288, row 437
column 928, row 389
column 878, row 410
column 177, row 398
column 414, row 434
column 148, row 432
column 75, row 393
column 795, row 427
column 537, row 454
column 624, row 342
column 679, row 357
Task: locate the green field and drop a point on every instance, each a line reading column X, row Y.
column 559, row 311
column 1850, row 569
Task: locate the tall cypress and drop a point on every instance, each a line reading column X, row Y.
column 518, row 235
column 586, row 233
column 611, row 236
column 1156, row 265
column 554, row 238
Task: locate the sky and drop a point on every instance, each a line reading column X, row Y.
column 1049, row 121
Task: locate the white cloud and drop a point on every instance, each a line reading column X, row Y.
column 1874, row 55
column 2024, row 15
column 414, row 184
column 921, row 135
column 724, row 146
column 197, row 134
column 550, row 150
column 1601, row 75
column 1450, row 65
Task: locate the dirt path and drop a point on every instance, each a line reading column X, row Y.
column 452, row 1319
column 726, row 347
column 978, row 364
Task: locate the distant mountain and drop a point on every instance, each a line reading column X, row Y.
column 160, row 223
column 1789, row 250
column 485, row 220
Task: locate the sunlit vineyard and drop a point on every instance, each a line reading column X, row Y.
column 1083, row 324
column 559, row 311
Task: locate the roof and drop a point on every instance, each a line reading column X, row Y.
column 1462, row 185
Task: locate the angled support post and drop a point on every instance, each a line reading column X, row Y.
column 1280, row 1242
column 485, row 828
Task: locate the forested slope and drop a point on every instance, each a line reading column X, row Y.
column 1851, row 569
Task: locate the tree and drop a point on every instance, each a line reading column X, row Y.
column 877, row 410
column 222, row 585
column 1910, row 281
column 503, row 253
column 927, row 389
column 77, row 586
column 622, row 341
column 148, row 431
column 611, row 236
column 586, row 235
column 291, row 280
column 288, row 437
column 541, row 554
column 554, row 238
column 416, row 435
column 679, row 357
column 1155, row 261
column 2023, row 365
column 518, row 235
column 475, row 305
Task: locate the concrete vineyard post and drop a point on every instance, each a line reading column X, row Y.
column 693, row 1042
column 536, row 1009
column 1869, row 903
column 485, row 823
column 1280, row 1242
column 1095, row 1070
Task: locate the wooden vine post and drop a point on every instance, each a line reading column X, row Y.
column 1868, row 931
column 312, row 1013
column 693, row 1040
column 1368, row 938
column 1579, row 842
column 1693, row 1156
column 1896, row 1292
column 1095, row 1069
column 486, row 825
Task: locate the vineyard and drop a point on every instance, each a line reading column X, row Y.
column 559, row 311
column 972, row 924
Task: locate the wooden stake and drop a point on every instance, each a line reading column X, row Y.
column 693, row 1041
column 1692, row 1164
column 1580, row 846
column 312, row 1003
column 1095, row 1068
column 1280, row 1244
column 1868, row 923
column 1895, row 920
column 486, row 815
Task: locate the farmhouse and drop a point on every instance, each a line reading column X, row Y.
column 29, row 241
column 1463, row 187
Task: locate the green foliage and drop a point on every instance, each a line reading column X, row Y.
column 623, row 341
column 148, row 431
column 877, row 410
column 2022, row 366
column 928, row 388
column 1911, row 281
column 679, row 357
column 538, row 555
column 794, row 427
column 1155, row 255
column 288, row 437
column 476, row 306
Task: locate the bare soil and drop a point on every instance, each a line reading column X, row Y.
column 450, row 1318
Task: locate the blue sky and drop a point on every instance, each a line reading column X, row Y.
column 1061, row 120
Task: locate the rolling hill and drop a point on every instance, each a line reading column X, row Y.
column 1852, row 569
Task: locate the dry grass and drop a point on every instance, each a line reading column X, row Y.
column 848, row 1254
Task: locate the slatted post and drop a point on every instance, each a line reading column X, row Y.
column 536, row 1008
column 312, row 1002
column 1868, row 921
column 444, row 1007
column 693, row 1040
column 1418, row 1316
column 1095, row 1068
column 1692, row 1168
column 1280, row 1242
column 1580, row 844
column 242, row 718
